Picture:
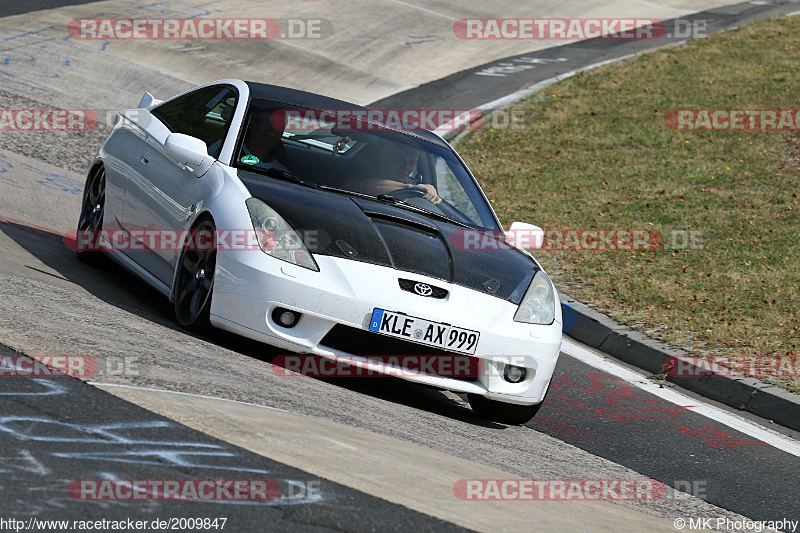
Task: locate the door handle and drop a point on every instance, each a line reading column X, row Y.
column 146, row 158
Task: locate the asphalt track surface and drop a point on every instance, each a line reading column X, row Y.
column 48, row 441
column 17, row 7
column 108, row 438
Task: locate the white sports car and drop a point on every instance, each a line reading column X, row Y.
column 300, row 221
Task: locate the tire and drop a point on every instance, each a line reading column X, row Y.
column 194, row 282
column 91, row 219
column 506, row 413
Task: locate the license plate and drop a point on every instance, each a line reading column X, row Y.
column 424, row 331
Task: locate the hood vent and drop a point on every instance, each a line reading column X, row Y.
column 431, row 230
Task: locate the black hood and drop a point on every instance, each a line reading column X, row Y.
column 372, row 231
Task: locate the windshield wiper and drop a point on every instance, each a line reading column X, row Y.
column 281, row 174
column 388, row 198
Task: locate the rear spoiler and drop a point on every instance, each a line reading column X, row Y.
column 148, row 101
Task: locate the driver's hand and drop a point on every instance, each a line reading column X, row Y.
column 430, row 192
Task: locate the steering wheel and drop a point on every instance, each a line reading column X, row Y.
column 445, row 207
column 404, row 194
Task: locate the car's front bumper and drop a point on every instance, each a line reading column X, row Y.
column 249, row 285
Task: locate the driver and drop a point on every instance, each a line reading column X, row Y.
column 395, row 165
column 263, row 140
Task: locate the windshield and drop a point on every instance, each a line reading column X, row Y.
column 363, row 158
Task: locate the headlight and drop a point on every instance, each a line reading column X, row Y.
column 538, row 306
column 276, row 237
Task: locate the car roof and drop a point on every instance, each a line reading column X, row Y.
column 285, row 95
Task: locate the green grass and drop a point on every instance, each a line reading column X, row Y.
column 594, row 152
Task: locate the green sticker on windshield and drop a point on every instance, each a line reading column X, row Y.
column 250, row 160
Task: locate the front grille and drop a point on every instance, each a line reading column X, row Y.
column 365, row 343
column 408, row 285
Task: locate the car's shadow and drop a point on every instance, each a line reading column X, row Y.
column 108, row 282
column 114, row 285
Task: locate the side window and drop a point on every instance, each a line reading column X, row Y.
column 205, row 114
column 450, row 189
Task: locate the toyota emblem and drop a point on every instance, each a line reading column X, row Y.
column 423, row 289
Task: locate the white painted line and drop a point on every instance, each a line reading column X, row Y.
column 519, row 95
column 98, row 384
column 793, row 14
column 731, row 420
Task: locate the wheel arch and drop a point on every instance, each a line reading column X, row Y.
column 98, row 165
column 202, row 216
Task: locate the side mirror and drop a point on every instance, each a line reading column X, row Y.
column 185, row 149
column 189, row 151
column 525, row 236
